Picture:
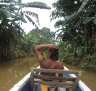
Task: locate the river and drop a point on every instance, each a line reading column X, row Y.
column 11, row 72
column 89, row 78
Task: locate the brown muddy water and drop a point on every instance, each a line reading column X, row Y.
column 11, row 72
column 89, row 78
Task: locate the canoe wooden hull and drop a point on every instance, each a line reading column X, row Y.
column 24, row 85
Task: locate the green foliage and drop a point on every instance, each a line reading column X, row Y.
column 90, row 64
column 78, row 27
column 15, row 54
column 34, row 37
column 38, row 5
column 92, row 57
column 84, row 65
column 68, row 53
column 80, row 52
column 65, row 7
column 26, row 44
column 11, row 33
column 62, row 50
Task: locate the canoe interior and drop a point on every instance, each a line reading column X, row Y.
column 25, row 84
column 27, row 87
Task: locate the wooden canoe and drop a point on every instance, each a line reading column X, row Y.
column 25, row 85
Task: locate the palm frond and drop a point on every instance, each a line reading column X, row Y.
column 59, row 35
column 59, row 23
column 6, row 4
column 61, row 29
column 5, row 13
column 38, row 5
column 17, row 26
column 30, row 20
column 32, row 14
column 87, row 20
column 19, row 17
column 83, row 5
column 94, row 19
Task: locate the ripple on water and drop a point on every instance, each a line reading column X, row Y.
column 11, row 72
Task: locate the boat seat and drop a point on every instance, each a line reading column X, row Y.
column 65, row 81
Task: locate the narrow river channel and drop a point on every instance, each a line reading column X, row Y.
column 11, row 72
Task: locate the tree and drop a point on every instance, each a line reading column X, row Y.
column 36, row 36
column 11, row 15
column 78, row 27
column 65, row 7
column 82, row 26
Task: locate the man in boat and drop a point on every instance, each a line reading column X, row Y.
column 51, row 61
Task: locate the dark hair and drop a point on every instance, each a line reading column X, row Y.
column 54, row 54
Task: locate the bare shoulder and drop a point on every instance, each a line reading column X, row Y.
column 46, row 64
column 59, row 65
column 58, row 62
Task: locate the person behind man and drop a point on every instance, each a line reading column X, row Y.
column 51, row 62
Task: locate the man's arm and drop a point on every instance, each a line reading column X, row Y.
column 42, row 46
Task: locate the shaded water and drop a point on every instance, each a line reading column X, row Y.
column 11, row 72
column 89, row 78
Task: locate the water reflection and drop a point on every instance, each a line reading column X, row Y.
column 11, row 72
column 89, row 78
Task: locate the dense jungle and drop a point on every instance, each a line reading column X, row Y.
column 76, row 39
column 75, row 35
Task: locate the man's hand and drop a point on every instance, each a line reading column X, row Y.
column 46, row 46
column 52, row 46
